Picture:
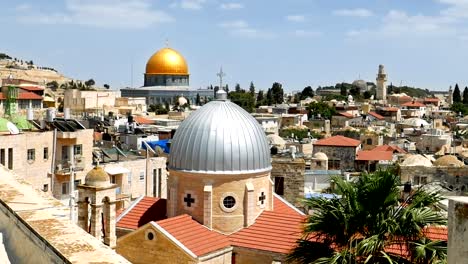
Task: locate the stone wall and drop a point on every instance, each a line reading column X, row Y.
column 293, row 173
column 457, row 177
column 345, row 156
column 457, row 230
column 250, row 256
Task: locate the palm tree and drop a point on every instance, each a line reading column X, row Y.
column 371, row 223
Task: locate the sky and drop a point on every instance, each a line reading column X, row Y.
column 422, row 43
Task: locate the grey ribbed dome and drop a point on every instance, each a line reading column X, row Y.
column 220, row 138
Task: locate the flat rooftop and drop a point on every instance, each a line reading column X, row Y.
column 50, row 221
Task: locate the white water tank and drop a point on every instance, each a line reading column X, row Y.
column 66, row 113
column 50, row 114
column 30, row 114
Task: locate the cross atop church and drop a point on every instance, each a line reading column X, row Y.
column 220, row 75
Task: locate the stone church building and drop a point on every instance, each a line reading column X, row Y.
column 221, row 207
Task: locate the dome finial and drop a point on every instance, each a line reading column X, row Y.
column 167, row 43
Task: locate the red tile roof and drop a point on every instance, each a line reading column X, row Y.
column 372, row 155
column 413, row 104
column 193, row 235
column 389, row 148
column 432, row 100
column 346, row 114
column 390, row 109
column 24, row 96
column 274, row 231
column 143, row 121
column 141, row 212
column 374, row 114
column 431, row 232
column 338, row 141
column 32, row 88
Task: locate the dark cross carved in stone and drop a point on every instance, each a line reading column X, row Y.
column 262, row 198
column 189, row 200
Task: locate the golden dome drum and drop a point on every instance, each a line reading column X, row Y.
column 167, row 61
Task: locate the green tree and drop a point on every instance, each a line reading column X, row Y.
column 465, row 95
column 343, row 90
column 197, row 99
column 53, row 85
column 226, row 88
column 369, row 218
column 237, row 88
column 277, row 92
column 269, row 97
column 307, row 92
column 459, row 108
column 107, row 86
column 90, row 82
column 367, row 95
column 456, row 94
column 243, row 99
column 252, row 89
column 260, row 98
column 322, row 109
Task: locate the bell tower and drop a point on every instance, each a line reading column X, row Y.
column 381, row 84
column 96, row 206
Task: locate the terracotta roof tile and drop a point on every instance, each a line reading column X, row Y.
column 143, row 121
column 372, row 155
column 346, row 114
column 281, row 206
column 389, row 148
column 374, row 114
column 390, row 109
column 193, row 235
column 142, row 212
column 413, row 104
column 274, row 232
column 338, row 141
column 32, row 88
column 24, row 96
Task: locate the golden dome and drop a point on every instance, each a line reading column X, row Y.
column 97, row 177
column 167, row 61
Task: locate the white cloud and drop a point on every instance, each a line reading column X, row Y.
column 231, row 6
column 189, row 4
column 306, row 33
column 105, row 14
column 296, row 18
column 242, row 29
column 356, row 12
column 23, row 7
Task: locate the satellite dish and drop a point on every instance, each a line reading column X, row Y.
column 12, row 128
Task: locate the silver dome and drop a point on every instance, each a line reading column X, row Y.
column 220, row 138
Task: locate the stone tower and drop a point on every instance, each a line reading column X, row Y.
column 450, row 96
column 381, row 84
column 96, row 206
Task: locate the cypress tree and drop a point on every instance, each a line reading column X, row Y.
column 456, row 94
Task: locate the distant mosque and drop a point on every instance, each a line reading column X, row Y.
column 166, row 78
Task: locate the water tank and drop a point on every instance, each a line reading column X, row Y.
column 30, row 114
column 50, row 114
column 66, row 113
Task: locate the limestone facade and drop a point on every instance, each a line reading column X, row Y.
column 454, row 177
column 339, row 157
column 457, row 230
column 203, row 197
column 288, row 176
column 161, row 249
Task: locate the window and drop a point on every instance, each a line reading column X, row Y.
column 2, row 156
column 129, row 178
column 77, row 182
column 113, row 179
column 10, row 158
column 65, row 188
column 46, row 153
column 369, row 141
column 45, row 188
column 229, row 202
column 64, row 152
column 319, row 163
column 31, row 154
column 279, row 185
column 78, row 149
column 142, row 176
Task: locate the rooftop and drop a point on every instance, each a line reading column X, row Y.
column 372, row 155
column 142, row 211
column 338, row 141
column 50, row 221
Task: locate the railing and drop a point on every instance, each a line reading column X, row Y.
column 63, row 166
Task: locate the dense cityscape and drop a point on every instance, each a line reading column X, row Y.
column 357, row 171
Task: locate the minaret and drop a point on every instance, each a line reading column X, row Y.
column 381, row 84
column 450, row 96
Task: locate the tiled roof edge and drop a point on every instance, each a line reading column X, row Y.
column 125, row 212
column 288, row 204
column 173, row 239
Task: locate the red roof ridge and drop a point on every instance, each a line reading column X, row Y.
column 340, row 141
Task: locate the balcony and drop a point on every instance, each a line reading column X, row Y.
column 63, row 166
column 67, row 135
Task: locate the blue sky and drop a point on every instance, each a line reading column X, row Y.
column 422, row 43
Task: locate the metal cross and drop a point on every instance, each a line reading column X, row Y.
column 221, row 74
column 262, row 198
column 189, row 200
